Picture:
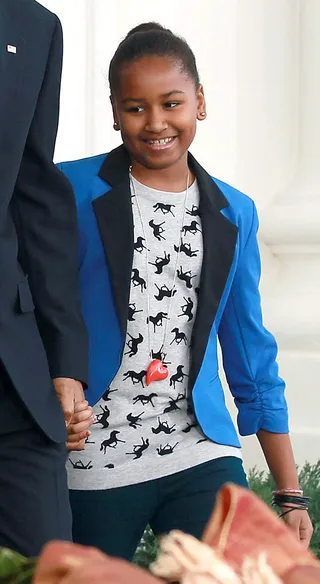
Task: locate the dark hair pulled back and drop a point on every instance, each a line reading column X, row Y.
column 152, row 39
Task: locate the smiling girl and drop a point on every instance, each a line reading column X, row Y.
column 169, row 264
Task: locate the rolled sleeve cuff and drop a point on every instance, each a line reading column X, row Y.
column 268, row 411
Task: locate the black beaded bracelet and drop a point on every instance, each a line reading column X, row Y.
column 291, row 502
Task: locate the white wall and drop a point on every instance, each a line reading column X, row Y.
column 259, row 63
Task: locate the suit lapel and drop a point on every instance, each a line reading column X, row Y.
column 219, row 242
column 113, row 210
column 114, row 216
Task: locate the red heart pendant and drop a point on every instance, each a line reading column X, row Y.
column 156, row 371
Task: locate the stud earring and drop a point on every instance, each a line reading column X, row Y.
column 203, row 114
column 116, row 126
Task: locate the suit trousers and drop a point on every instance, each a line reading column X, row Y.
column 34, row 501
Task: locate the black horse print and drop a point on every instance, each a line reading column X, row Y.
column 137, row 280
column 178, row 377
column 135, row 377
column 106, row 395
column 160, row 263
column 163, row 427
column 186, row 249
column 202, row 440
column 173, row 403
column 134, row 421
column 161, row 356
column 103, row 417
column 138, row 449
column 133, row 344
column 167, row 449
column 179, row 337
column 165, row 209
column 158, row 319
column 139, row 245
column 79, row 465
column 132, row 311
column 164, row 292
column 187, row 308
column 145, row 399
column 193, row 228
column 111, row 442
column 157, row 229
column 194, row 212
column 185, row 277
column 189, row 427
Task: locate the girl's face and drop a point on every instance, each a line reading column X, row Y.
column 156, row 106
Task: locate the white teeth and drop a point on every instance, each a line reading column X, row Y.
column 160, row 142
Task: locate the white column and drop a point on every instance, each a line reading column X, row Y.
column 293, row 219
column 267, row 96
column 72, row 135
column 309, row 167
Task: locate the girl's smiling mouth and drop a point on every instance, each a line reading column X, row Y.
column 160, row 144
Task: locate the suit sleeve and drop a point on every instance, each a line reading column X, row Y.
column 249, row 350
column 48, row 233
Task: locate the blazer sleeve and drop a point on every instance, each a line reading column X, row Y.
column 250, row 351
column 46, row 222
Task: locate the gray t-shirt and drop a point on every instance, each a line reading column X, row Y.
column 144, row 433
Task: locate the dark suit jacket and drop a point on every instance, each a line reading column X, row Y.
column 42, row 334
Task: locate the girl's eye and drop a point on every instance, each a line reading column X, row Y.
column 171, row 104
column 135, row 109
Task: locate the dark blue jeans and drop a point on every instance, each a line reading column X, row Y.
column 114, row 520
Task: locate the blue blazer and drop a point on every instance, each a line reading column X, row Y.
column 229, row 302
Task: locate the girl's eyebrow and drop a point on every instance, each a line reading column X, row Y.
column 172, row 92
column 164, row 95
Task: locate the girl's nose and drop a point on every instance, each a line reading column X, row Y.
column 156, row 122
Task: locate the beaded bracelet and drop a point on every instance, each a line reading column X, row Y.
column 290, row 502
column 288, row 492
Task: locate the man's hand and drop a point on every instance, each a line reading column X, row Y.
column 78, row 429
column 69, row 392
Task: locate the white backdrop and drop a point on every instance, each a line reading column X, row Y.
column 259, row 63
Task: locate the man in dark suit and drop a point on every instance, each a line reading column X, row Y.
column 42, row 335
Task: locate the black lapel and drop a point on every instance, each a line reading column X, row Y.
column 114, row 215
column 219, row 242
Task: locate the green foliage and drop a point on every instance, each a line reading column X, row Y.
column 15, row 569
column 147, row 550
